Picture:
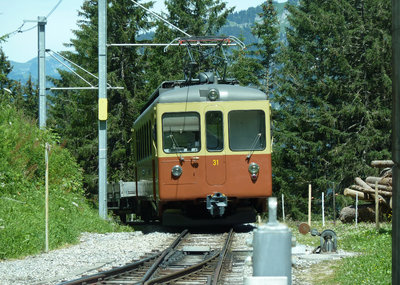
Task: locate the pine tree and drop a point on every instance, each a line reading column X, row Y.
column 23, row 97
column 245, row 68
column 31, row 99
column 5, row 82
column 196, row 18
column 267, row 32
column 334, row 95
column 74, row 113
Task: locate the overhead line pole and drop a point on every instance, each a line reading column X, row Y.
column 42, row 21
column 102, row 11
column 41, row 24
column 396, row 140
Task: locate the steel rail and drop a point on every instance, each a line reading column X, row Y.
column 101, row 276
column 156, row 264
column 217, row 272
column 184, row 272
column 116, row 271
column 198, row 267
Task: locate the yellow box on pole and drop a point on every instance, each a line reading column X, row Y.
column 103, row 105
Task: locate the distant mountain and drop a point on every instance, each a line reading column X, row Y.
column 238, row 24
column 22, row 71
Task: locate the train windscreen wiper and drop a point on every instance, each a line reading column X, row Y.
column 253, row 145
column 176, row 146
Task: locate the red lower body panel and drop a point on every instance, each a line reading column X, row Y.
column 205, row 175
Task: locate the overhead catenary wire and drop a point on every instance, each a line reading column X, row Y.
column 235, row 40
column 160, row 18
column 55, row 7
column 70, row 69
column 164, row 44
column 73, row 63
column 53, row 55
column 19, row 29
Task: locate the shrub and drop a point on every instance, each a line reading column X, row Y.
column 22, row 190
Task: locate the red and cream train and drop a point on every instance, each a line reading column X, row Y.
column 203, row 155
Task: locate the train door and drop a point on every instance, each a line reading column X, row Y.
column 214, row 146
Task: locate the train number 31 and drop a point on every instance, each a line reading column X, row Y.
column 215, row 162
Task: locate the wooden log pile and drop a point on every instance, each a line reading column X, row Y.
column 366, row 189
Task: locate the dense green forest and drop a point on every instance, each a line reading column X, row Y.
column 328, row 77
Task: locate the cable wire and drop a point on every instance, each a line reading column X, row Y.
column 160, row 18
column 19, row 29
column 52, row 10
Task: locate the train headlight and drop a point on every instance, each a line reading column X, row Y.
column 176, row 171
column 213, row 94
column 254, row 168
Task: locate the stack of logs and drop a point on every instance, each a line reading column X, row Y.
column 366, row 189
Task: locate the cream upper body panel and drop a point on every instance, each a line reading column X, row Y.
column 200, row 108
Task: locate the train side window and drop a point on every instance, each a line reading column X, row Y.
column 147, row 141
column 141, row 143
column 136, row 133
column 154, row 129
column 149, row 138
column 181, row 132
column 138, row 144
column 246, row 130
column 214, row 131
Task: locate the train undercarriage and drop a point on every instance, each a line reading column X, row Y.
column 214, row 210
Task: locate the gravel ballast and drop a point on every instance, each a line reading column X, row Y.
column 105, row 251
column 94, row 251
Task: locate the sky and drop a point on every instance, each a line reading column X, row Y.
column 22, row 47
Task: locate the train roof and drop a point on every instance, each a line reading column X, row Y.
column 199, row 93
column 197, row 90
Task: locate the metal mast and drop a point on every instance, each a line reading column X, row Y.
column 42, row 21
column 102, row 10
column 396, row 140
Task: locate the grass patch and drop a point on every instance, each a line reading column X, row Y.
column 22, row 191
column 374, row 263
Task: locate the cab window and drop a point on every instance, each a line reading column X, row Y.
column 246, row 130
column 181, row 132
column 214, row 131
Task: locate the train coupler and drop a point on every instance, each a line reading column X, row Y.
column 216, row 204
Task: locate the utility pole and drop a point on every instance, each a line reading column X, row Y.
column 42, row 21
column 102, row 10
column 396, row 140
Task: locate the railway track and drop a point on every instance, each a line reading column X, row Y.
column 190, row 259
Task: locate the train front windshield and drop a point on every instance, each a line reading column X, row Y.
column 246, row 130
column 181, row 132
